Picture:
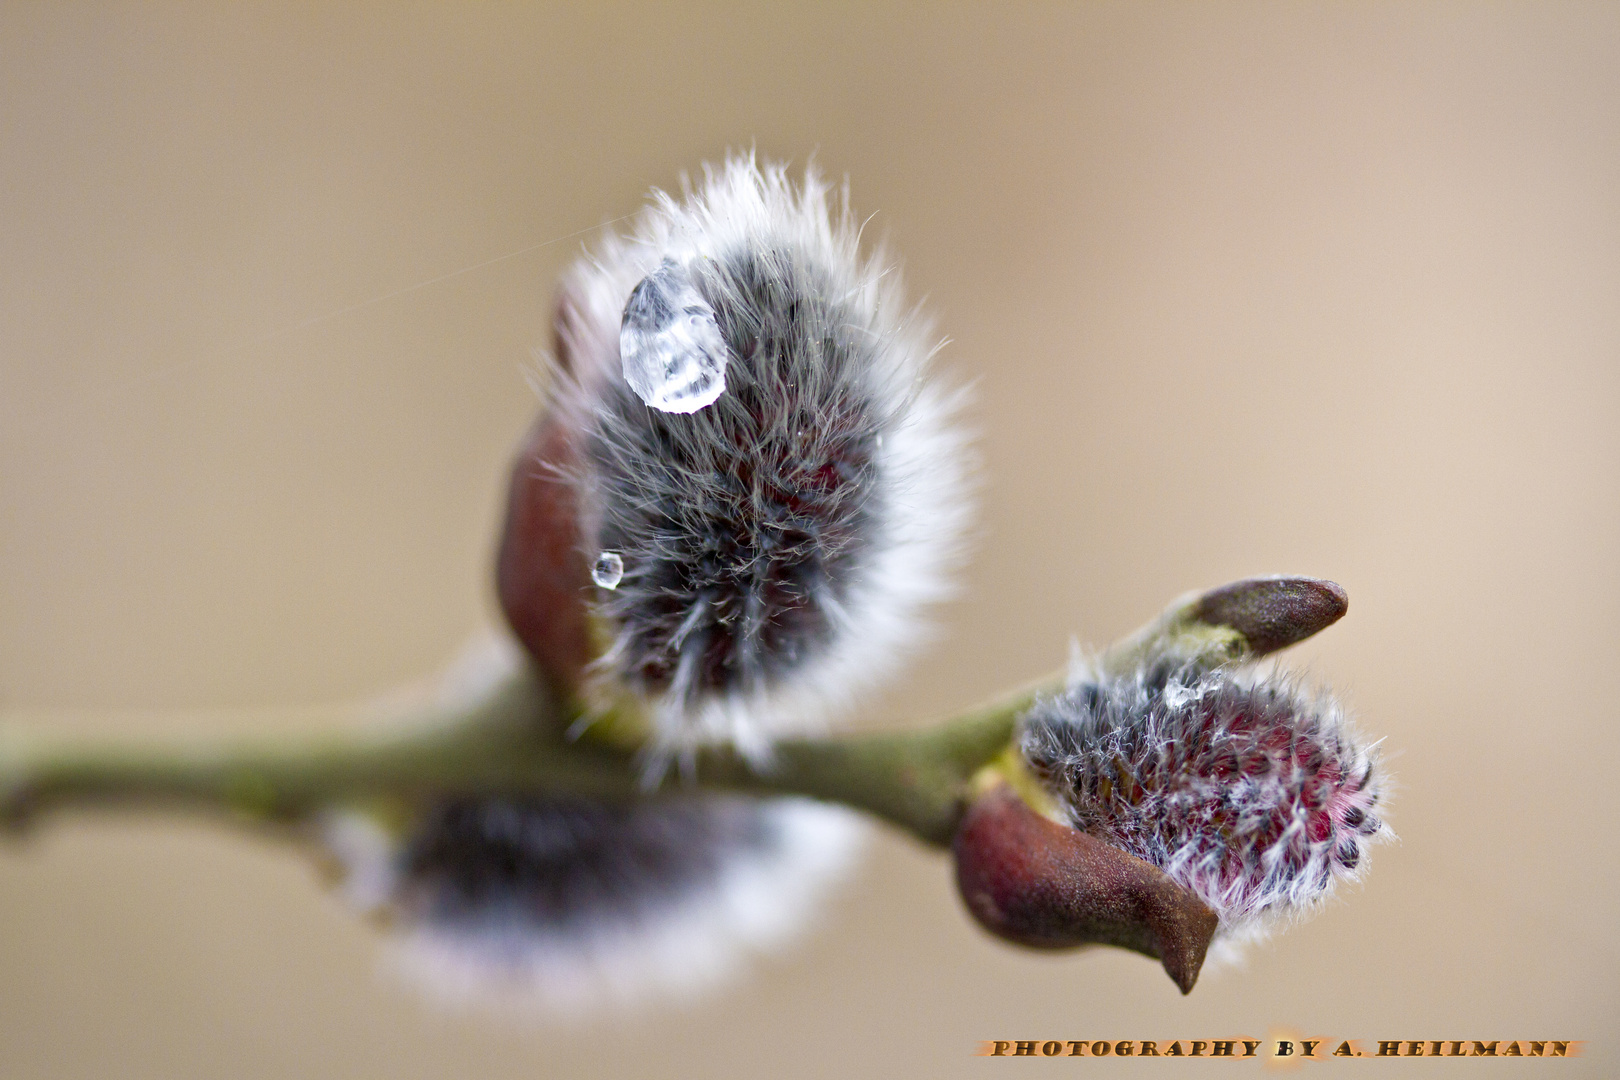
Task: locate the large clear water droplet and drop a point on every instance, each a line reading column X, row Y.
column 673, row 355
column 608, row 570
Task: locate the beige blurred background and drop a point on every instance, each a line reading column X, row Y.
column 1327, row 289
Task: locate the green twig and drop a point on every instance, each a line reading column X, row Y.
column 513, row 741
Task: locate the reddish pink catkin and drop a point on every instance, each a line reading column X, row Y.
column 1250, row 792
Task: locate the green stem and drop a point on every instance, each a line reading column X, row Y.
column 504, row 743
column 511, row 741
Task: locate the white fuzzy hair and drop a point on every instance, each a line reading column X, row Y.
column 674, row 947
column 850, row 363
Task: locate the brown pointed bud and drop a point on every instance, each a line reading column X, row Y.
column 1273, row 612
column 1035, row 882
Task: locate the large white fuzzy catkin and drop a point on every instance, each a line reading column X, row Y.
column 1254, row 794
column 564, row 906
column 782, row 514
column 567, row 906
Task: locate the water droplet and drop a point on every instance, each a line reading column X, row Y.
column 669, row 343
column 608, row 570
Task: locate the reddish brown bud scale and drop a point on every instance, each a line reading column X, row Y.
column 1037, row 883
column 540, row 574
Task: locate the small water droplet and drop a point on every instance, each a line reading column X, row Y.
column 609, row 570
column 670, row 346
